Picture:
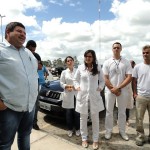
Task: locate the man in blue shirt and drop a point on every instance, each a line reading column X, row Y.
column 43, row 73
column 18, row 88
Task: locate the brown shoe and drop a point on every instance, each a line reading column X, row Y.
column 95, row 145
column 84, row 144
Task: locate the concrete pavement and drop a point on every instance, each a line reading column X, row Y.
column 57, row 139
column 41, row 140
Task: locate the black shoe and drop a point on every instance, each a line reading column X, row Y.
column 36, row 127
column 139, row 143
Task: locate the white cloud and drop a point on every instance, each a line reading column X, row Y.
column 55, row 2
column 57, row 39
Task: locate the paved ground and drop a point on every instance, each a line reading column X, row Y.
column 53, row 135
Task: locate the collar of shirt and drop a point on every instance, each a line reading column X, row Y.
column 7, row 44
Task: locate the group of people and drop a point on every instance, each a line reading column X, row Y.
column 82, row 86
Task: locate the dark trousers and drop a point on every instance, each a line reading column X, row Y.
column 12, row 122
column 127, row 114
column 36, row 111
column 72, row 119
column 36, row 106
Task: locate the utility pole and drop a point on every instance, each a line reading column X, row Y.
column 99, row 12
column 2, row 25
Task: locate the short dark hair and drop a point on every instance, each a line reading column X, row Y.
column 146, row 47
column 31, row 43
column 117, row 43
column 37, row 56
column 11, row 26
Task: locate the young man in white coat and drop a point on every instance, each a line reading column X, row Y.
column 117, row 73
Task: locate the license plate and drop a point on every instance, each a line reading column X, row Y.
column 45, row 106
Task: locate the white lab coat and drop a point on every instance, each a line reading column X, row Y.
column 66, row 78
column 88, row 90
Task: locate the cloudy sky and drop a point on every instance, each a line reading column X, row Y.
column 70, row 27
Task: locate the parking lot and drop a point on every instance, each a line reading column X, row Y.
column 53, row 127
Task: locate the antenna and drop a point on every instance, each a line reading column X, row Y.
column 99, row 3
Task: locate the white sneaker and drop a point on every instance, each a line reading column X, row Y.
column 124, row 136
column 70, row 133
column 77, row 132
column 108, row 135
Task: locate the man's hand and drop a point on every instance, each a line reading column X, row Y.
column 134, row 95
column 116, row 91
column 2, row 105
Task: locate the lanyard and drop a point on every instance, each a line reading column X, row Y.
column 117, row 64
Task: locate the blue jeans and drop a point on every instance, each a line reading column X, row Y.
column 12, row 122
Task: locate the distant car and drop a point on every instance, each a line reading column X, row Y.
column 57, row 71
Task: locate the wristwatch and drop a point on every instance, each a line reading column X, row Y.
column 119, row 89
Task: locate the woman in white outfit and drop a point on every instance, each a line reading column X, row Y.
column 69, row 97
column 89, row 81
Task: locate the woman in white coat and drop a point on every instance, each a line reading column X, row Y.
column 89, row 81
column 69, row 97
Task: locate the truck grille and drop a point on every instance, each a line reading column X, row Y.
column 53, row 94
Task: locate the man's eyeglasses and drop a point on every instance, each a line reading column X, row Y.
column 145, row 52
column 116, row 47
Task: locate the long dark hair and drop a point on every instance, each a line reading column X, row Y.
column 67, row 58
column 94, row 63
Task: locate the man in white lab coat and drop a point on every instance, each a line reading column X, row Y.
column 117, row 73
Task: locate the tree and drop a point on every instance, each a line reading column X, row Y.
column 76, row 62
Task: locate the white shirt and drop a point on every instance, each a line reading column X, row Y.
column 117, row 70
column 142, row 73
column 67, row 79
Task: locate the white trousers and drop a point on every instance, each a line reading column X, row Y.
column 122, row 101
column 84, row 128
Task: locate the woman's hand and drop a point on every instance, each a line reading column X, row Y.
column 2, row 105
column 135, row 96
column 78, row 89
column 69, row 88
